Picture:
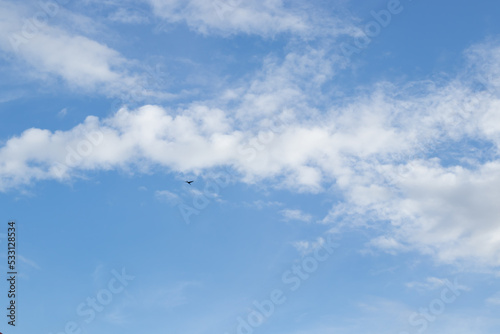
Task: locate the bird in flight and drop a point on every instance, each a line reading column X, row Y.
column 189, row 182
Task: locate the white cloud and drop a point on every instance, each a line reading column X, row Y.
column 494, row 299
column 375, row 150
column 116, row 317
column 168, row 196
column 260, row 204
column 388, row 244
column 128, row 16
column 431, row 283
column 30, row 35
column 63, row 112
column 29, row 262
column 305, row 247
column 289, row 214
column 163, row 297
column 452, row 209
column 99, row 273
column 265, row 18
column 377, row 315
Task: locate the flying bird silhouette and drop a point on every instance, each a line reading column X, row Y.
column 189, row 182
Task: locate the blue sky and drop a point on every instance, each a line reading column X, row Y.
column 345, row 158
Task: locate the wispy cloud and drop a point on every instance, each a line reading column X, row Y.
column 494, row 299
column 230, row 17
column 63, row 112
column 128, row 16
column 29, row 262
column 260, row 204
column 305, row 247
column 164, row 297
column 431, row 283
column 81, row 62
column 289, row 214
column 168, row 196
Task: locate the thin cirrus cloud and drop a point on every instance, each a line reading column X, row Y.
column 230, row 17
column 128, row 16
column 494, row 299
column 167, row 196
column 266, row 18
column 290, row 214
column 433, row 283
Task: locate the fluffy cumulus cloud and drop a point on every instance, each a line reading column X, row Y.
column 421, row 159
column 450, row 212
column 189, row 141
